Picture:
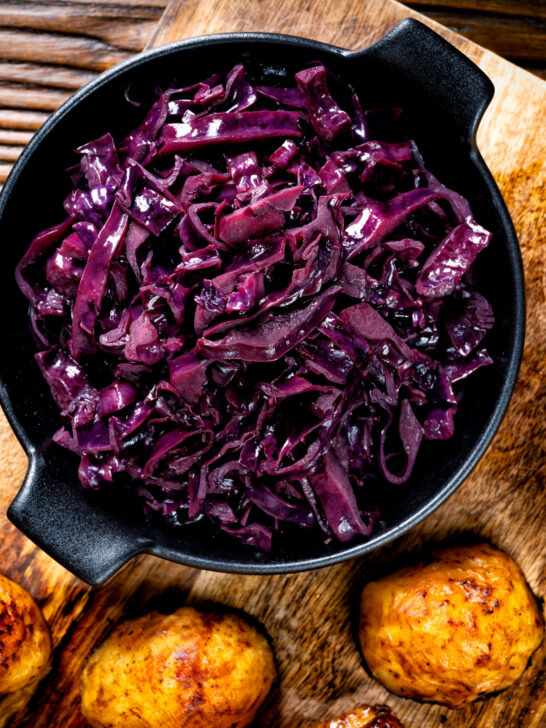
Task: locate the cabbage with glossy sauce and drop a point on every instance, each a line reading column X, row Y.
column 257, row 306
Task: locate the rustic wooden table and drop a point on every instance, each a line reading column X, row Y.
column 47, row 50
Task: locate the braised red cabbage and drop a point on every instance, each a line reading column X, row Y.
column 257, row 307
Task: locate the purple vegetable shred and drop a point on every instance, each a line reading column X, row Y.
column 256, row 308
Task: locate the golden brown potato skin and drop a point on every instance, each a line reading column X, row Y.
column 25, row 645
column 451, row 630
column 184, row 670
column 367, row 716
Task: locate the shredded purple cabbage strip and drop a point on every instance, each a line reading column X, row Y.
column 257, row 307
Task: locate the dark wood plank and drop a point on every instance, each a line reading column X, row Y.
column 515, row 30
column 510, row 36
column 529, row 8
column 122, row 26
column 41, row 75
column 20, row 119
column 5, row 168
column 8, row 136
column 10, row 153
column 59, row 49
column 17, row 96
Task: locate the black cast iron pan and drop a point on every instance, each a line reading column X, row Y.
column 444, row 95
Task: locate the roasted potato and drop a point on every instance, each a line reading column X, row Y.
column 452, row 629
column 187, row 669
column 25, row 645
column 367, row 716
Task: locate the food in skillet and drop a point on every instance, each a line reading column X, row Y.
column 258, row 305
column 452, row 629
column 25, row 644
column 367, row 716
column 188, row 669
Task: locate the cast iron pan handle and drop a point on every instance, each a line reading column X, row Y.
column 88, row 541
column 424, row 60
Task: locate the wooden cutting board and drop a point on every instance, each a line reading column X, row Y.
column 311, row 617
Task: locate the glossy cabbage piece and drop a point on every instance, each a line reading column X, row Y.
column 258, row 304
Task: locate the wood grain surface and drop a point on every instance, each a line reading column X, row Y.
column 309, row 617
